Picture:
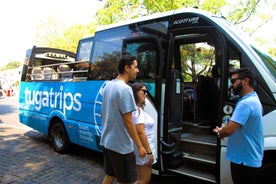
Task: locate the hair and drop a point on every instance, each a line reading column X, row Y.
column 136, row 87
column 125, row 60
column 245, row 73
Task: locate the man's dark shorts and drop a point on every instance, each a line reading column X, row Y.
column 121, row 166
column 242, row 174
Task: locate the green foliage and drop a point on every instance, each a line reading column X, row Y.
column 213, row 6
column 53, row 27
column 119, row 10
column 161, row 5
column 71, row 36
column 196, row 59
column 272, row 52
column 11, row 65
column 53, row 33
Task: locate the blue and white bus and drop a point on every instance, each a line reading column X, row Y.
column 180, row 54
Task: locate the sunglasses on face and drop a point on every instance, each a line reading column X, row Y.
column 234, row 80
column 145, row 91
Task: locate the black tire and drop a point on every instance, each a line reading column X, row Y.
column 60, row 140
column 267, row 174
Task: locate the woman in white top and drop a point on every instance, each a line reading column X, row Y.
column 145, row 128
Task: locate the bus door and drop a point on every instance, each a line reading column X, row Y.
column 194, row 97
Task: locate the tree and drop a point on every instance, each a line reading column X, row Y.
column 53, row 27
column 71, row 36
column 118, row 10
column 255, row 20
column 54, row 33
column 11, row 65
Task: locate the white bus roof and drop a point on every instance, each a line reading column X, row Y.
column 154, row 16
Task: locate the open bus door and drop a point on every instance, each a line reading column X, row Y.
column 194, row 101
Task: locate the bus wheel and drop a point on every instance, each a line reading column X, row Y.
column 267, row 174
column 60, row 140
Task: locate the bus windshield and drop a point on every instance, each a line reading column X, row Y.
column 269, row 62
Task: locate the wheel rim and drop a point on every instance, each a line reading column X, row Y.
column 58, row 138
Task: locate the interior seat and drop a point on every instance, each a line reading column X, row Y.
column 47, row 72
column 65, row 72
column 37, row 74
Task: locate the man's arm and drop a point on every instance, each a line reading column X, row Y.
column 131, row 129
column 227, row 130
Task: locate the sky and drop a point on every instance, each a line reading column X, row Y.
column 19, row 19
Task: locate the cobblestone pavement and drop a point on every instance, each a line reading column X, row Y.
column 26, row 156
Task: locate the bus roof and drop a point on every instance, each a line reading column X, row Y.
column 154, row 16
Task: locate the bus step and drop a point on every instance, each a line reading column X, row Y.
column 196, row 172
column 209, row 140
column 196, row 128
column 200, row 158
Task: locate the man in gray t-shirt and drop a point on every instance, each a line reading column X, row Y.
column 119, row 131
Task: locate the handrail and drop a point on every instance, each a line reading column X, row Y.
column 57, row 64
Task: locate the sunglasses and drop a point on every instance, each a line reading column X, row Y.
column 145, row 91
column 234, row 80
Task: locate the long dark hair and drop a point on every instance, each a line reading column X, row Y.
column 136, row 87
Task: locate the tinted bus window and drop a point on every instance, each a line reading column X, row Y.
column 106, row 53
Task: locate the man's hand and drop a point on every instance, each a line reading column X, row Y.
column 217, row 129
column 226, row 130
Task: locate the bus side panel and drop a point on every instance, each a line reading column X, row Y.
column 84, row 134
column 34, row 120
column 76, row 104
column 270, row 133
column 269, row 125
column 225, row 177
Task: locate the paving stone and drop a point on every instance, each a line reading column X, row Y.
column 27, row 157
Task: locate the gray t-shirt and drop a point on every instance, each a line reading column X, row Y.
column 117, row 100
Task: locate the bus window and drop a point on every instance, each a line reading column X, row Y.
column 268, row 61
column 234, row 62
column 106, row 53
column 84, row 50
column 146, row 53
